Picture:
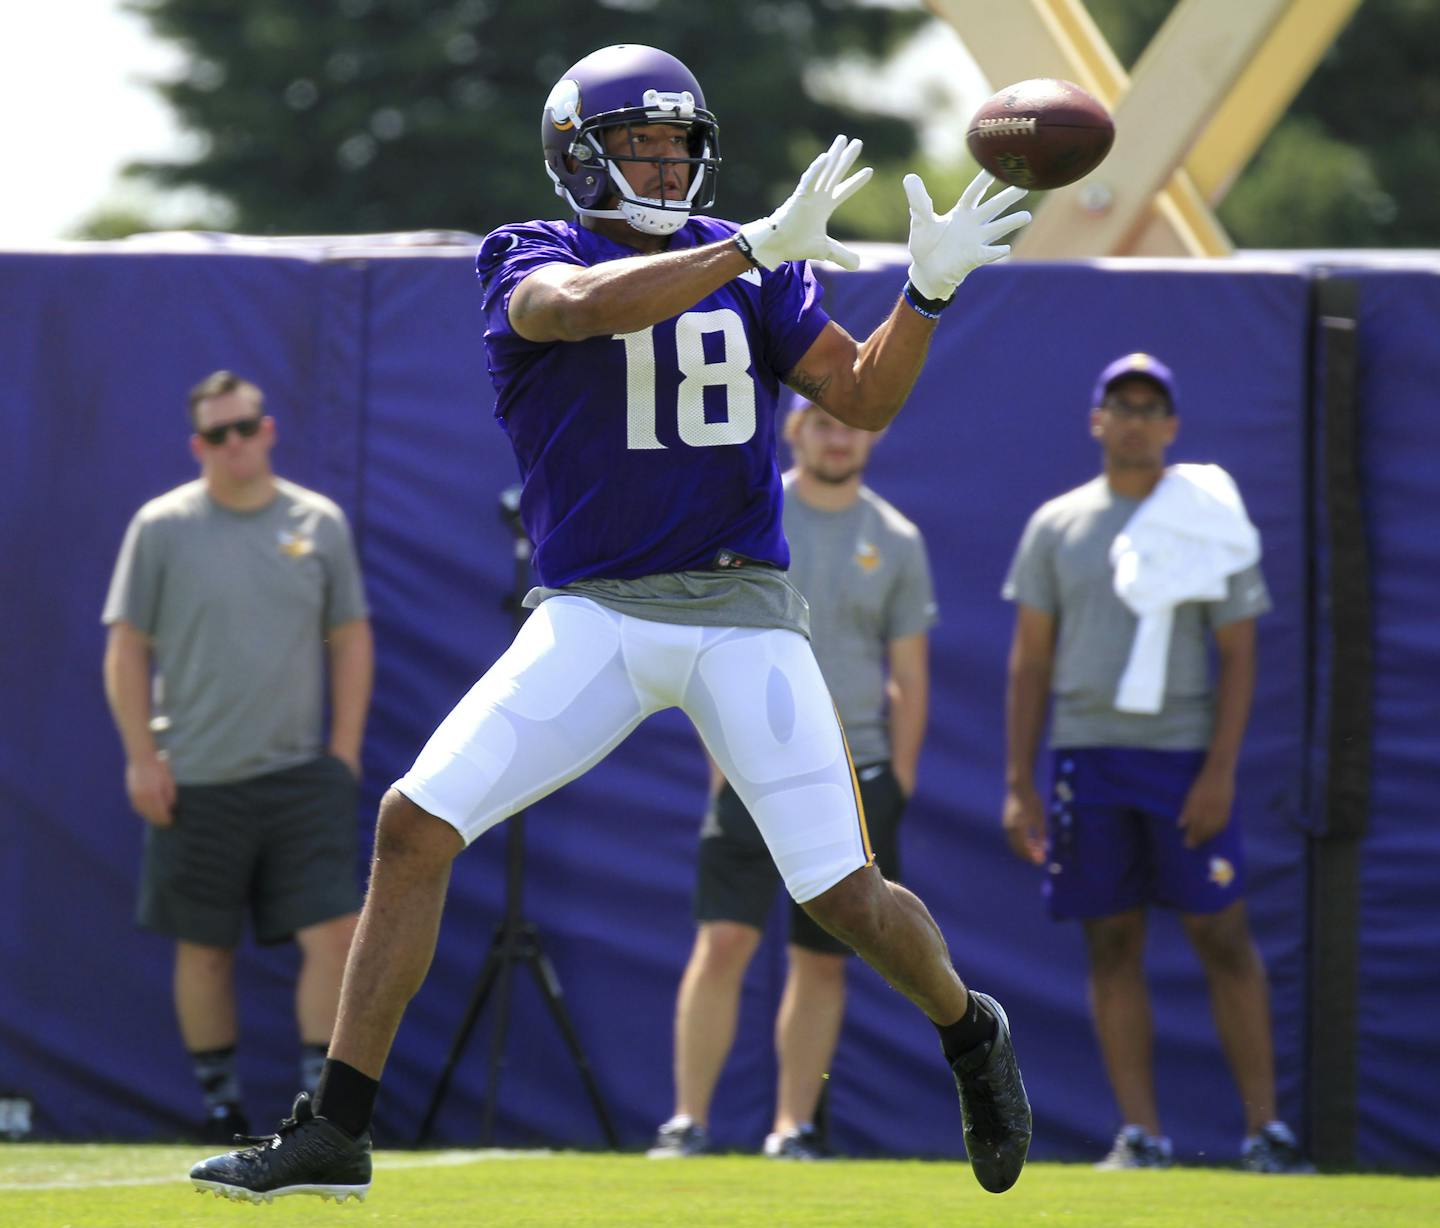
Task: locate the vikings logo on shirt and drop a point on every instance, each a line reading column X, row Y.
column 1222, row 873
column 295, row 545
column 867, row 557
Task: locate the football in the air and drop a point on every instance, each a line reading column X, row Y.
column 1042, row 133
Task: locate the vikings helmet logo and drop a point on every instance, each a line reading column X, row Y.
column 563, row 105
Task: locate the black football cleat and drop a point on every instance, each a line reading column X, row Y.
column 993, row 1105
column 307, row 1155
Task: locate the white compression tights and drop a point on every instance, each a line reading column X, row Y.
column 579, row 677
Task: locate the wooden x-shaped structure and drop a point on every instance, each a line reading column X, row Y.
column 1206, row 92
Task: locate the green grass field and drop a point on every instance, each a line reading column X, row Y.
column 54, row 1186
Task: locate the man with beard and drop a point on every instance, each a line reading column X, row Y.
column 862, row 568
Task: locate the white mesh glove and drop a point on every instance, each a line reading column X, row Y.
column 945, row 247
column 796, row 230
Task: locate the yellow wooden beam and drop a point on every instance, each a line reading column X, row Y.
column 1181, row 79
column 1072, row 20
column 1015, row 39
column 1179, row 223
column 1264, row 91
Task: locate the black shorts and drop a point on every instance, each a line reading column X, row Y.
column 736, row 879
column 283, row 847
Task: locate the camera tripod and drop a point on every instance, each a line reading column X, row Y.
column 516, row 941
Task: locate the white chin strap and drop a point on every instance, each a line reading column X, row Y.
column 645, row 213
column 654, row 217
column 651, row 217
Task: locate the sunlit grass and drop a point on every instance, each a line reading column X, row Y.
column 53, row 1186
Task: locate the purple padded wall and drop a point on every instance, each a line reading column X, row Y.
column 94, row 368
column 996, row 425
column 375, row 370
column 1399, row 1056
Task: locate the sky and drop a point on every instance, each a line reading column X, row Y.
column 74, row 110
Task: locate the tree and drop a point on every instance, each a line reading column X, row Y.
column 1375, row 95
column 341, row 116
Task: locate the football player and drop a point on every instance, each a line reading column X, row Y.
column 637, row 350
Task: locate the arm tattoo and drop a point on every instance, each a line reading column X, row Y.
column 808, row 386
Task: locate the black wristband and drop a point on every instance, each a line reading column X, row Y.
column 746, row 250
column 930, row 308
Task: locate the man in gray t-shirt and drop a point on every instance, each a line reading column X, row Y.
column 1140, row 805
column 230, row 595
column 863, row 571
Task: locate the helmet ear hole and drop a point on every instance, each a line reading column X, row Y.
column 575, row 156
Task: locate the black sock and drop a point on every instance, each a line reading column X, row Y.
column 974, row 1027
column 215, row 1072
column 346, row 1096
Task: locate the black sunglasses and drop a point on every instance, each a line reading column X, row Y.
column 1146, row 411
column 244, row 427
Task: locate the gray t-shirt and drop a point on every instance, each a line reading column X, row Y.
column 1062, row 567
column 752, row 595
column 236, row 605
column 866, row 576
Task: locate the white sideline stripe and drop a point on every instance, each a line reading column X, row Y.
column 441, row 1159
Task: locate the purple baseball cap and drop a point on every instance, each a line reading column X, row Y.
column 1143, row 366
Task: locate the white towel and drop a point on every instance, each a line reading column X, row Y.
column 1188, row 536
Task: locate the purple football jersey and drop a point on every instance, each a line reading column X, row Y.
column 650, row 451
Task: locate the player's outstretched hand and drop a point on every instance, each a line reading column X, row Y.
column 945, row 247
column 796, row 230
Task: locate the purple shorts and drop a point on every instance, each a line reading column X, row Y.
column 1114, row 843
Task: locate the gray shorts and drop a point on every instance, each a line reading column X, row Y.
column 737, row 880
column 282, row 847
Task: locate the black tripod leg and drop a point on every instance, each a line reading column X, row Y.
column 515, row 938
column 550, row 990
column 494, row 961
column 514, row 948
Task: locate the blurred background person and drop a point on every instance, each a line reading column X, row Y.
column 862, row 567
column 1143, row 785
column 229, row 595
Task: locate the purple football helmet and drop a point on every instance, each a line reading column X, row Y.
column 620, row 86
